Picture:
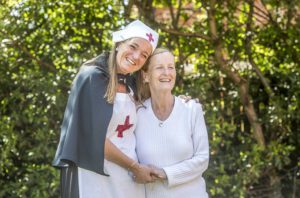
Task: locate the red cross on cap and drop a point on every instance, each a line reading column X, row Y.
column 150, row 37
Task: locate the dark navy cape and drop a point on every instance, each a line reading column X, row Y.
column 86, row 118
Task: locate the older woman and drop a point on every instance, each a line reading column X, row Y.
column 171, row 134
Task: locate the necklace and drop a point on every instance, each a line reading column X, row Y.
column 162, row 119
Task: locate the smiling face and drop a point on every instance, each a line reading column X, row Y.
column 161, row 74
column 132, row 55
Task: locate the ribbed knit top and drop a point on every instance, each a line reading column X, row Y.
column 179, row 145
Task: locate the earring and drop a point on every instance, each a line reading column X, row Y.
column 117, row 48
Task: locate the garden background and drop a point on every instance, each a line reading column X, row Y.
column 241, row 59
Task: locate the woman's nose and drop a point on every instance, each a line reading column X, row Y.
column 165, row 70
column 136, row 55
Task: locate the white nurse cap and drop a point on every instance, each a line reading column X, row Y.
column 136, row 29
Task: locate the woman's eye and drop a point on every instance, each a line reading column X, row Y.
column 132, row 46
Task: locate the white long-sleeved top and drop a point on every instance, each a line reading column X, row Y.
column 179, row 145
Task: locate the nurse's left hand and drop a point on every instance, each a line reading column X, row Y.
column 142, row 173
column 157, row 173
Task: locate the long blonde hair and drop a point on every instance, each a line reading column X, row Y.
column 111, row 89
column 143, row 89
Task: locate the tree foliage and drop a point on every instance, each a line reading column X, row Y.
column 244, row 56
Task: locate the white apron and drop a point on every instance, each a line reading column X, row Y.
column 119, row 184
